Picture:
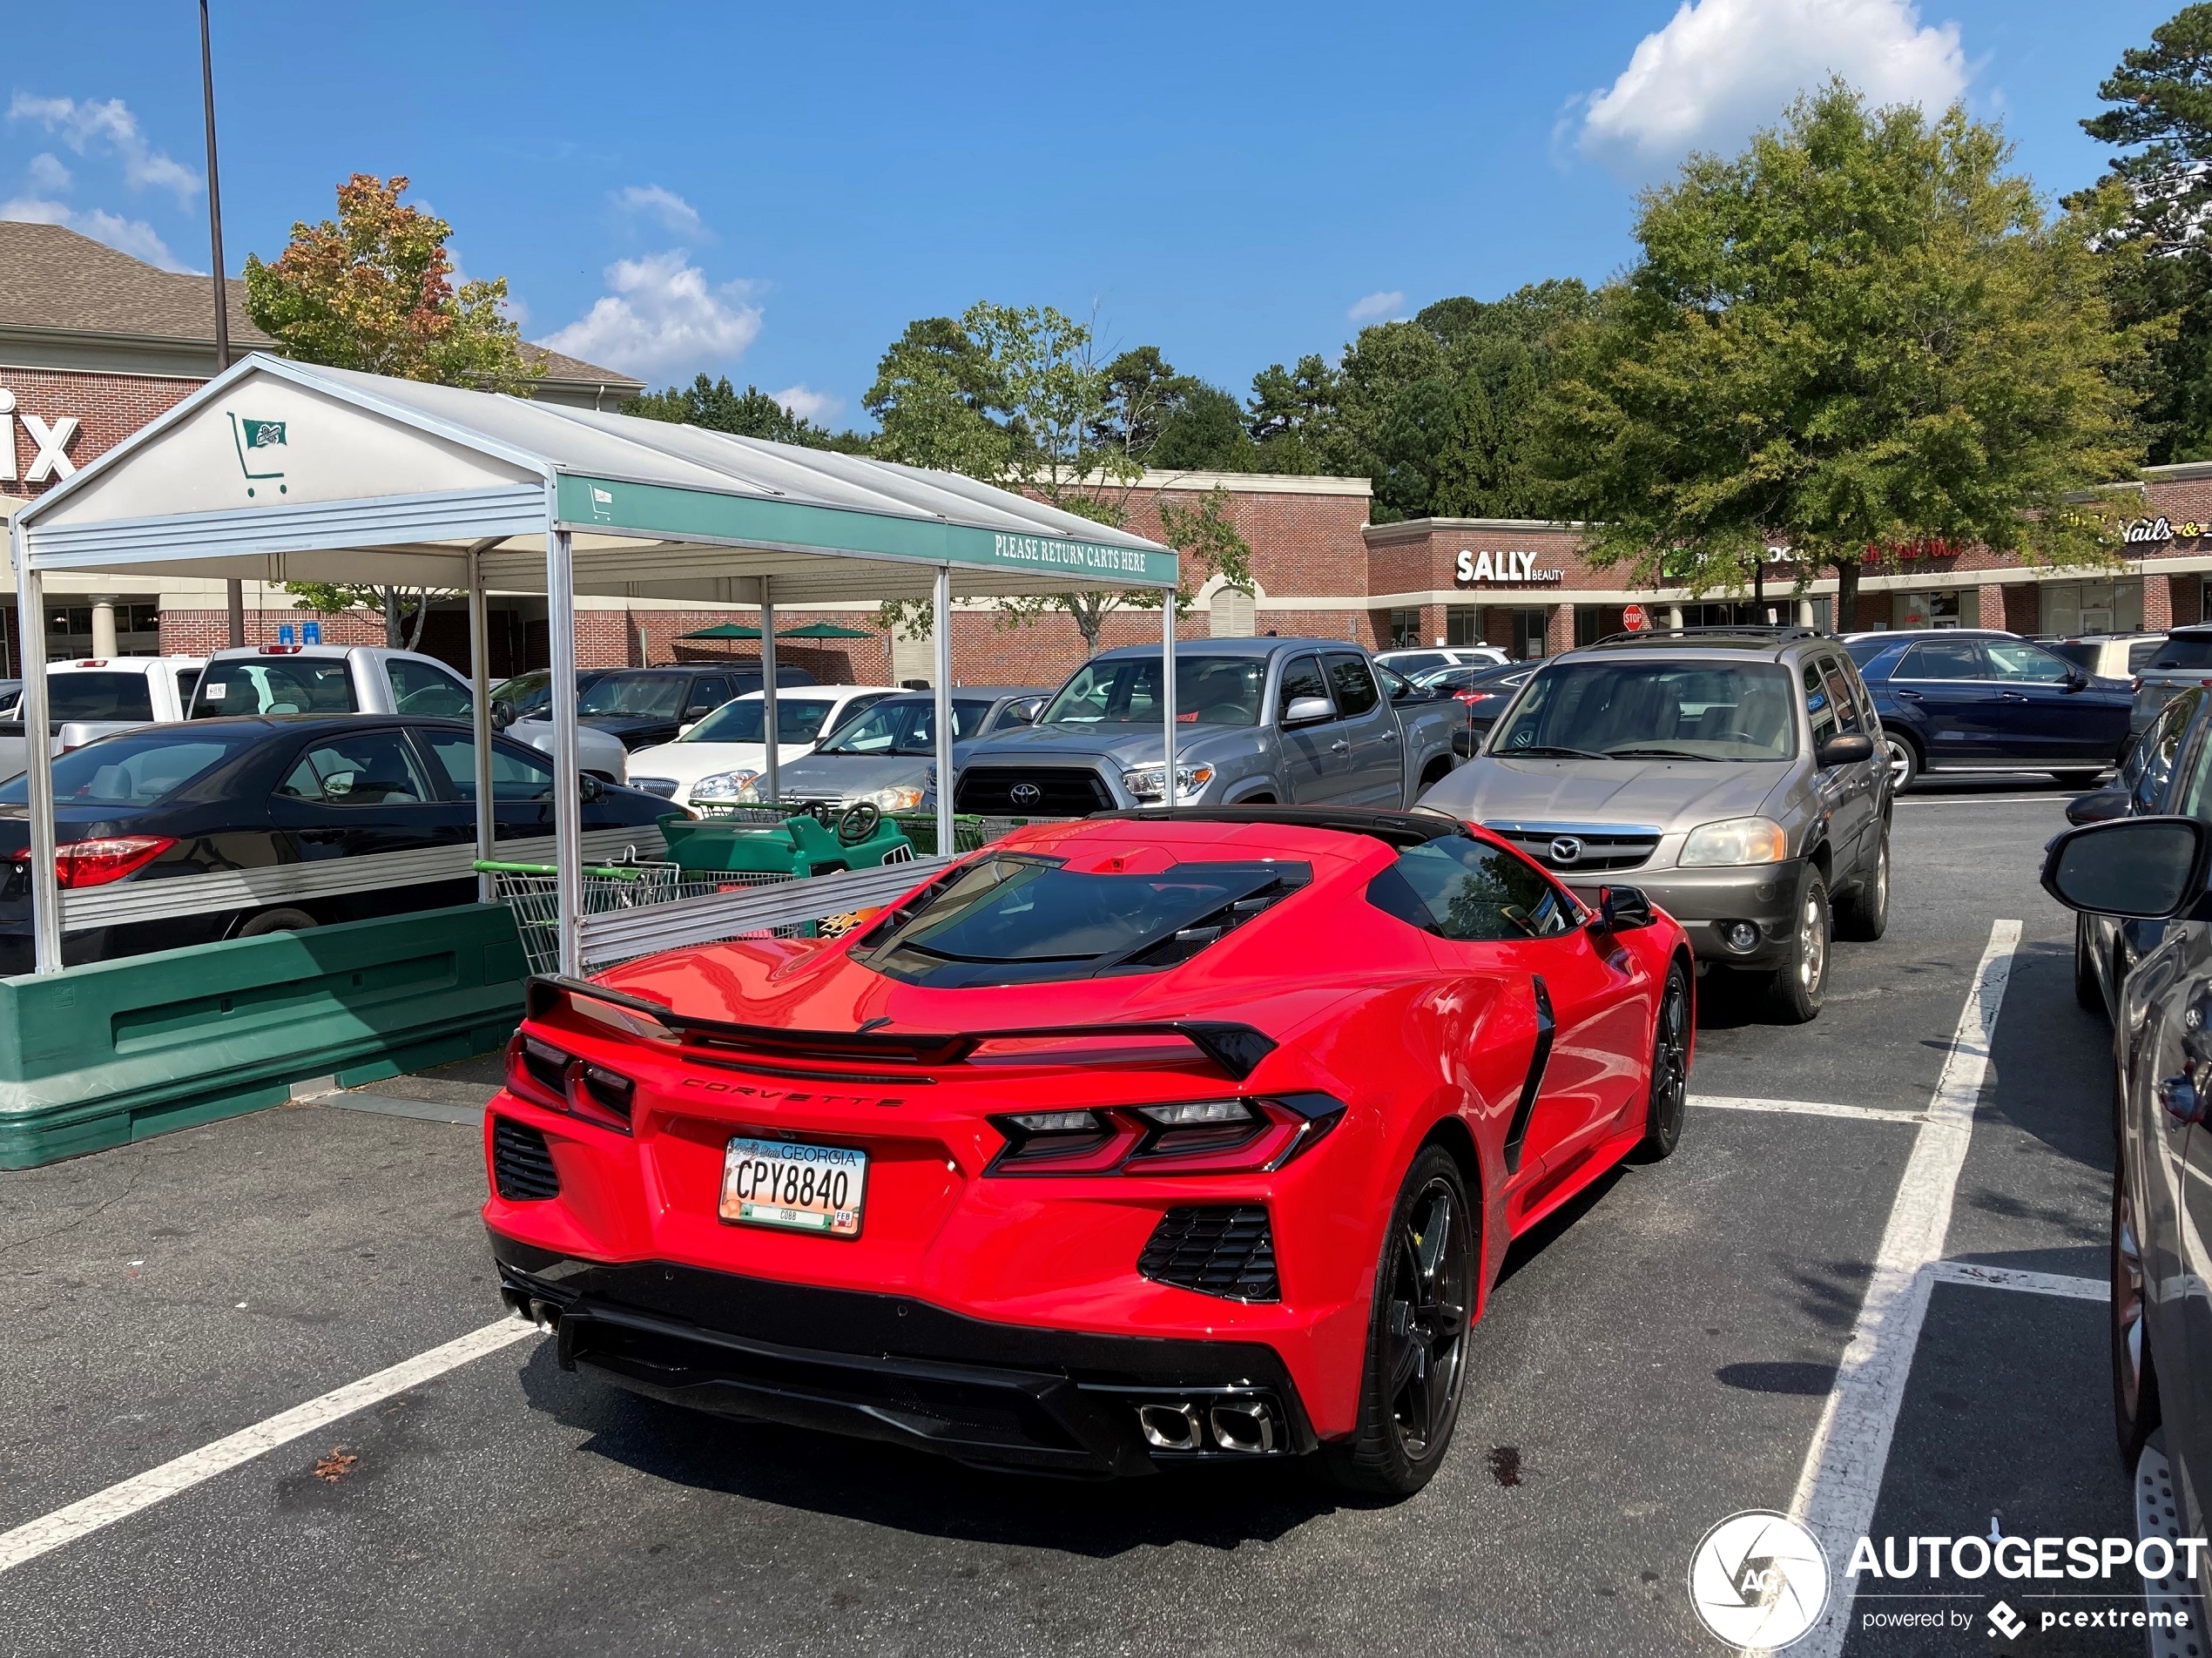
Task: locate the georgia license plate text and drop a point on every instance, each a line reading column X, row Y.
column 805, row 1189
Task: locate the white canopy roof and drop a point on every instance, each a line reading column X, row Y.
column 278, row 471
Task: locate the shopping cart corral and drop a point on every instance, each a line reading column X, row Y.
column 636, row 907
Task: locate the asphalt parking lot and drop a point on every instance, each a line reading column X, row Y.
column 1657, row 1358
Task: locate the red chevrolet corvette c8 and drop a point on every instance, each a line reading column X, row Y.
column 1136, row 1140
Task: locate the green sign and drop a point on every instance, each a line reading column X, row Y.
column 676, row 514
column 258, row 435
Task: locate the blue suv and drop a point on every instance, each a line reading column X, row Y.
column 1957, row 699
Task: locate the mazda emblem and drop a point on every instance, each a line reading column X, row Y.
column 1025, row 794
column 1566, row 850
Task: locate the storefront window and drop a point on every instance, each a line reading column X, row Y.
column 1405, row 628
column 1463, row 625
column 1928, row 610
column 2092, row 607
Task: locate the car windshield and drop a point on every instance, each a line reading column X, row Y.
column 95, row 695
column 1688, row 710
column 798, row 720
column 1014, row 918
column 135, row 768
column 2184, row 650
column 525, row 693
column 905, row 725
column 274, row 685
column 1209, row 690
column 651, row 696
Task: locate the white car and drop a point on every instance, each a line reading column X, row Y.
column 1410, row 661
column 714, row 761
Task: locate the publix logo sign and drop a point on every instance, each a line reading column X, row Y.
column 255, row 440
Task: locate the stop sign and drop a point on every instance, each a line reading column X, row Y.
column 1634, row 619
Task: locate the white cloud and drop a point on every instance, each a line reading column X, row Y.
column 47, row 172
column 1376, row 305
column 112, row 126
column 134, row 236
column 671, row 209
column 1720, row 69
column 662, row 313
column 822, row 407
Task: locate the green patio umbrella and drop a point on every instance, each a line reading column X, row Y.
column 723, row 630
column 824, row 630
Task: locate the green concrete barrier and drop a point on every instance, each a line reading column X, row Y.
column 99, row 1055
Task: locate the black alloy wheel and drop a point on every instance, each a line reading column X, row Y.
column 2135, row 1382
column 1669, row 1070
column 1416, row 1336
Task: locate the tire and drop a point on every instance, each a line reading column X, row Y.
column 1863, row 915
column 1669, row 1095
column 1904, row 761
column 2135, row 1410
column 277, row 920
column 1794, row 996
column 2081, row 782
column 1410, row 1382
column 2087, row 990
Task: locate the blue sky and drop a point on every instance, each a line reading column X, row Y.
column 772, row 192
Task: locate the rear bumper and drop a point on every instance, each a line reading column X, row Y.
column 1705, row 900
column 890, row 1368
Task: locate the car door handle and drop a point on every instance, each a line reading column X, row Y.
column 1340, row 746
column 1390, row 737
column 1909, row 696
column 2011, row 697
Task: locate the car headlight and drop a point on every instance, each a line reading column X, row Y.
column 1735, row 840
column 896, row 800
column 725, row 785
column 1146, row 782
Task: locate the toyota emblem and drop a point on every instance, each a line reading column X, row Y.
column 1025, row 794
column 1566, row 850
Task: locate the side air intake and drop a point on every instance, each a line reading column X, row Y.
column 522, row 1163
column 1216, row 1250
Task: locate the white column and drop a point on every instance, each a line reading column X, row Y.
column 1167, row 695
column 772, row 774
column 1673, row 616
column 480, row 712
column 940, row 619
column 104, row 643
column 568, row 805
column 38, row 778
column 1804, row 613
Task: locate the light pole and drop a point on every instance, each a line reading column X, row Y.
column 234, row 592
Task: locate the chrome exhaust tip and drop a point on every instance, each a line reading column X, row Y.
column 1171, row 1427
column 1245, row 1425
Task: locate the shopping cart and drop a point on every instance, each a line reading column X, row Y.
column 532, row 892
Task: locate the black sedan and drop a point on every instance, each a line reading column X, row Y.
column 1483, row 691
column 284, row 792
column 646, row 707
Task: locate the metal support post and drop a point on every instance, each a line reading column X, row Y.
column 940, row 620
column 772, row 774
column 1167, row 693
column 38, row 755
column 568, row 802
column 480, row 710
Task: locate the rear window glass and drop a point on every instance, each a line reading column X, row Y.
column 274, row 685
column 1020, row 920
column 95, row 694
column 2184, row 650
column 646, row 696
column 2141, row 651
column 135, row 768
column 1465, row 889
column 2080, row 652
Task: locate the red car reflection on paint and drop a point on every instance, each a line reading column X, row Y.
column 1128, row 1141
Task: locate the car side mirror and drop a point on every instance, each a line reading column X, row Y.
column 1847, row 748
column 1623, row 908
column 2102, row 806
column 2077, row 681
column 502, row 713
column 2147, row 869
column 685, row 729
column 589, row 788
column 1309, row 710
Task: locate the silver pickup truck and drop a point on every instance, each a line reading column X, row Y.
column 1277, row 720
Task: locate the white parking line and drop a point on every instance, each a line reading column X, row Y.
column 88, row 1514
column 2006, row 1277
column 1809, row 1108
column 1842, row 1475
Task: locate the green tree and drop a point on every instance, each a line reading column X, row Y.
column 941, row 402
column 1205, row 431
column 719, row 407
column 1209, row 541
column 1860, row 331
column 1293, row 413
column 373, row 291
column 2158, row 270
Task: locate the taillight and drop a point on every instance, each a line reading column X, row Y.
column 558, row 1080
column 95, row 863
column 1182, row 1138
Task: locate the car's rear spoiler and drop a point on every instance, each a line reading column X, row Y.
column 1237, row 1050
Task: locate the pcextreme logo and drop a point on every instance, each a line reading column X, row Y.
column 247, row 436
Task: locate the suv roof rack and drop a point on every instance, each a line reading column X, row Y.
column 1761, row 633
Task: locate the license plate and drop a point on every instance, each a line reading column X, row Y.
column 800, row 1187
